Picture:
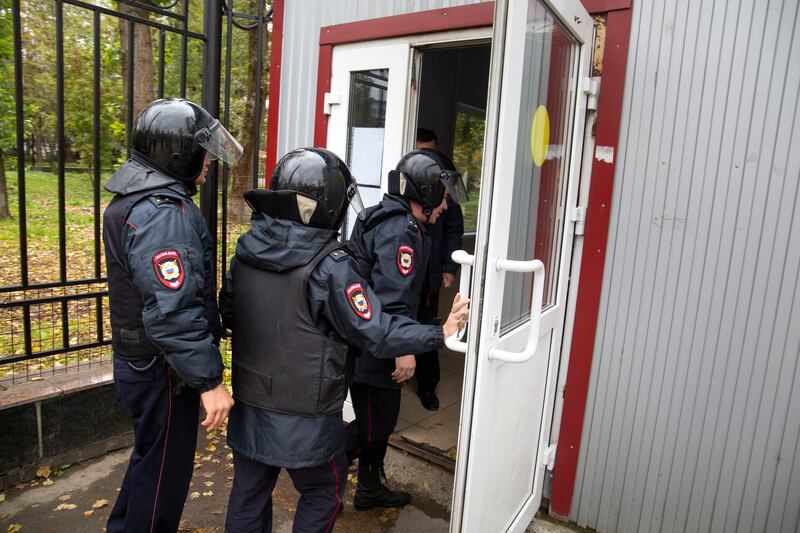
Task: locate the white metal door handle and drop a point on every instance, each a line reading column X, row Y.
column 461, row 257
column 537, row 267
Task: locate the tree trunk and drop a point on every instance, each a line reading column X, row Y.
column 4, row 213
column 143, row 74
column 243, row 172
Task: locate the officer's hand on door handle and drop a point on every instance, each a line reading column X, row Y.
column 458, row 317
column 404, row 367
column 217, row 402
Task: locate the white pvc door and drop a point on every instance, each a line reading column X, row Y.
column 532, row 153
column 367, row 103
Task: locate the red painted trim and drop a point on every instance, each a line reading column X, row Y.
column 593, row 260
column 604, row 6
column 323, row 86
column 452, row 18
column 276, row 47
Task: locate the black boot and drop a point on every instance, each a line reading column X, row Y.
column 371, row 492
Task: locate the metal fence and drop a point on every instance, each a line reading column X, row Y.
column 58, row 322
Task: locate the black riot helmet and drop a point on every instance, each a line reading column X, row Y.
column 311, row 186
column 422, row 176
column 174, row 135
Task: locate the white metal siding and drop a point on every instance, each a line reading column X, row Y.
column 693, row 416
column 302, row 22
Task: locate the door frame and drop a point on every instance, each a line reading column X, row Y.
column 618, row 16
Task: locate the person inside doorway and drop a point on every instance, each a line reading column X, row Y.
column 446, row 237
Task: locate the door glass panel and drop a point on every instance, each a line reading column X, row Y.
column 365, row 125
column 542, row 159
column 468, row 157
column 365, row 132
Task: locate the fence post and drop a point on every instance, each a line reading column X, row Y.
column 212, row 28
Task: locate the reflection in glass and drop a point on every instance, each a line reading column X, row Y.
column 468, row 157
column 540, row 191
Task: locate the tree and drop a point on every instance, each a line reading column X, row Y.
column 8, row 114
column 242, row 174
column 142, row 58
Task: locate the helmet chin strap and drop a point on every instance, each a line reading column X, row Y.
column 427, row 211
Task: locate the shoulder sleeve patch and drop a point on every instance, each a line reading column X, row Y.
column 358, row 300
column 405, row 259
column 169, row 268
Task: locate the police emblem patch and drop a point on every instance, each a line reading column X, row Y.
column 358, row 300
column 405, row 259
column 169, row 269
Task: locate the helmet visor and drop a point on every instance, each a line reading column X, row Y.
column 219, row 143
column 455, row 186
column 354, row 198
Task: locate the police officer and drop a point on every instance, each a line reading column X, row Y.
column 391, row 244
column 446, row 237
column 164, row 319
column 294, row 300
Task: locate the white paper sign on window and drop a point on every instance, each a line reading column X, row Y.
column 366, row 155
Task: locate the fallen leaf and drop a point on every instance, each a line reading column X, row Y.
column 65, row 497
column 211, row 448
column 90, row 512
column 194, row 495
column 47, row 482
column 13, row 528
column 2, row 496
column 211, row 436
column 218, row 512
column 99, row 503
column 209, row 493
column 66, row 507
column 208, row 474
column 208, row 483
column 20, row 486
column 43, row 471
column 34, row 484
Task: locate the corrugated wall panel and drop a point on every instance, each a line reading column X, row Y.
column 693, row 417
column 302, row 21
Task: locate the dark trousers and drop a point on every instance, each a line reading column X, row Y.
column 376, row 411
column 321, row 491
column 165, row 436
column 427, row 372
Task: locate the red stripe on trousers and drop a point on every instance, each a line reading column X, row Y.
column 164, row 453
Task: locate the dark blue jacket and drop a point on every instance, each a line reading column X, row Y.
column 392, row 249
column 446, row 237
column 292, row 441
column 165, row 251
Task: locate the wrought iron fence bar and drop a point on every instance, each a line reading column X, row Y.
column 226, row 122
column 99, row 326
column 259, row 69
column 138, row 20
column 184, row 46
column 53, row 299
column 51, row 285
column 96, row 142
column 60, row 142
column 161, row 49
column 22, row 214
column 152, row 9
column 54, row 351
column 65, row 324
column 212, row 27
column 131, row 51
column 26, row 329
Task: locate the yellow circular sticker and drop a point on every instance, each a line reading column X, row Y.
column 540, row 135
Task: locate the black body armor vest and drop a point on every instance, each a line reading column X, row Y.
column 281, row 361
column 128, row 338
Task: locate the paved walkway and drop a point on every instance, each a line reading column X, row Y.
column 80, row 498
